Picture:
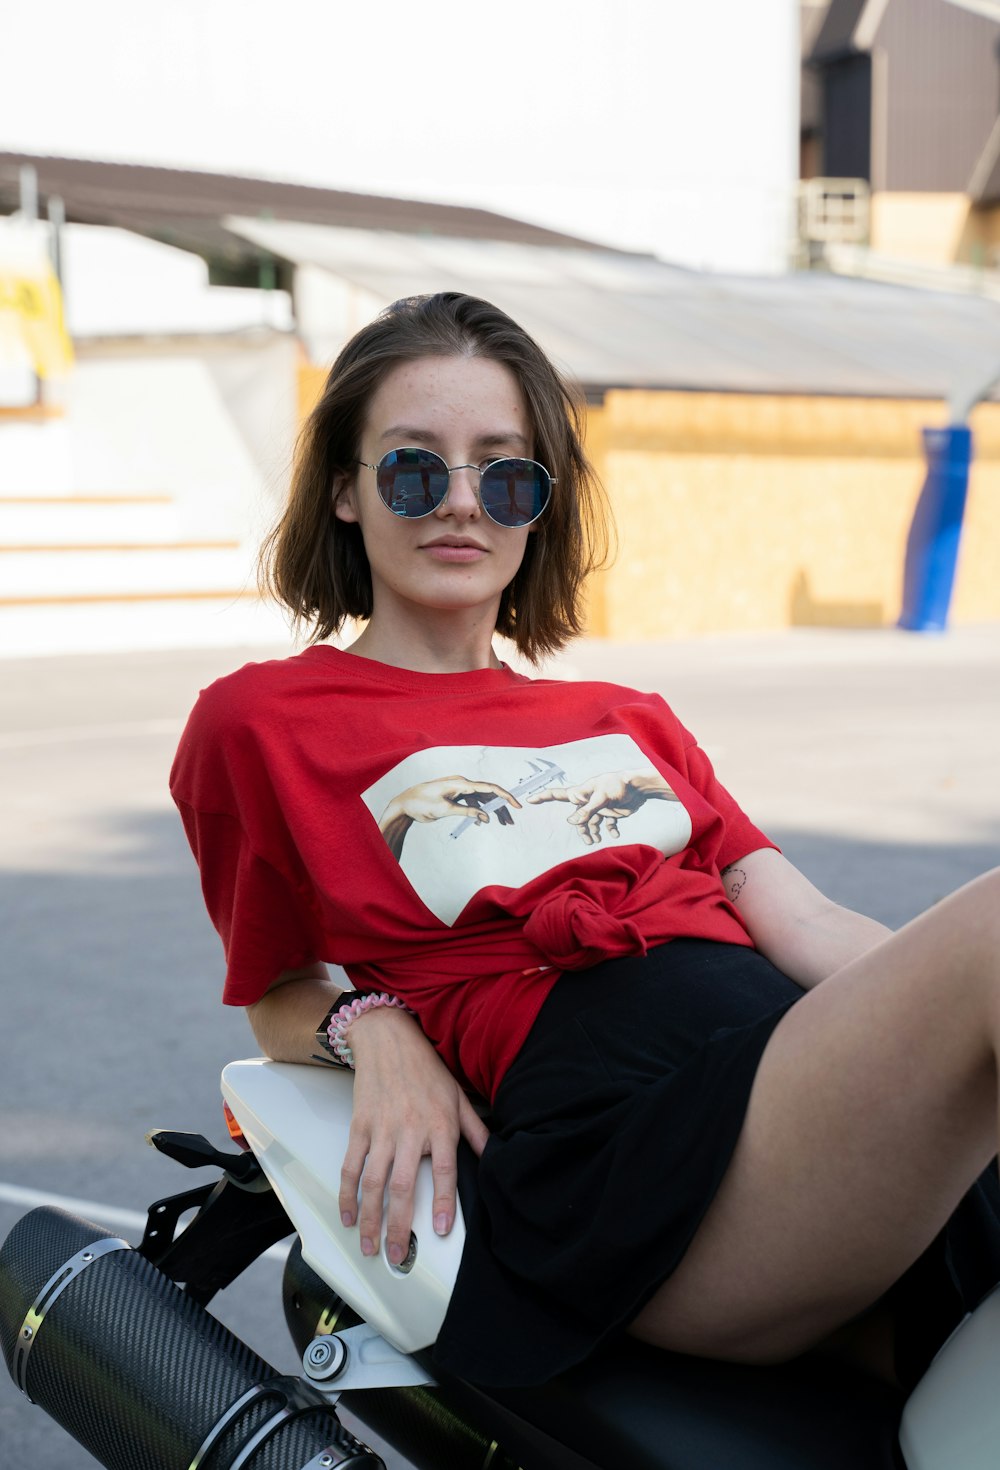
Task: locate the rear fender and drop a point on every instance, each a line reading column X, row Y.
column 297, row 1121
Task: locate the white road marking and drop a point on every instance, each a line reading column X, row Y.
column 102, row 1214
column 21, row 739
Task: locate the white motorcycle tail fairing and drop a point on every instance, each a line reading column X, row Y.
column 296, row 1120
column 952, row 1419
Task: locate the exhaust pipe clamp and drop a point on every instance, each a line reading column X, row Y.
column 294, row 1397
column 28, row 1332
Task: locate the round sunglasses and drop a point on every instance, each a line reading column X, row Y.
column 414, row 482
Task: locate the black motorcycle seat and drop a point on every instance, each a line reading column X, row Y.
column 634, row 1406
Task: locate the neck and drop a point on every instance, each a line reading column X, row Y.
column 438, row 648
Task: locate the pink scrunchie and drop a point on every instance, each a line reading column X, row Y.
column 573, row 932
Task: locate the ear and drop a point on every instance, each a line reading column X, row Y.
column 344, row 498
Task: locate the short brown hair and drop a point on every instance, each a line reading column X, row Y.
column 316, row 564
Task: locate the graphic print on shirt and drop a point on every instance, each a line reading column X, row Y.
column 459, row 818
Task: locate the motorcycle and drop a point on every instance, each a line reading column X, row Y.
column 116, row 1343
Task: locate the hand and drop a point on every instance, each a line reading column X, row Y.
column 448, row 796
column 428, row 801
column 603, row 800
column 406, row 1105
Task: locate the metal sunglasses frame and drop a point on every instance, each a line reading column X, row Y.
column 449, row 471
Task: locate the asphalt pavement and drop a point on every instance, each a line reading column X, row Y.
column 869, row 756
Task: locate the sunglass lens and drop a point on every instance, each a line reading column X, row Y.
column 412, row 482
column 514, row 492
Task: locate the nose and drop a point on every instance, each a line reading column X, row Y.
column 462, row 500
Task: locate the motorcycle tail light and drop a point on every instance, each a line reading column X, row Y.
column 235, row 1131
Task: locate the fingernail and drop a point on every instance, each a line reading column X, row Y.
column 395, row 1254
column 347, row 1218
column 367, row 1246
column 441, row 1224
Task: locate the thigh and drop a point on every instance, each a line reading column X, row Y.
column 872, row 1111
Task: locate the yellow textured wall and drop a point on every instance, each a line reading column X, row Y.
column 310, row 385
column 754, row 512
column 980, row 243
column 989, row 223
column 922, row 227
column 743, row 511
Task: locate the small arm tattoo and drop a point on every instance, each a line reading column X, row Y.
column 735, row 881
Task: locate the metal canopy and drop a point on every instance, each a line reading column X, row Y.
column 613, row 319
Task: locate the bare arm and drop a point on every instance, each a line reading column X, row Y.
column 286, row 1018
column 801, row 931
column 406, row 1104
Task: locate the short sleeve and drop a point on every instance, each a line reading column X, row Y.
column 740, row 835
column 264, row 922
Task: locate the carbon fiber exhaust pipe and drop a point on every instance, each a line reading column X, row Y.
column 139, row 1374
column 432, row 1427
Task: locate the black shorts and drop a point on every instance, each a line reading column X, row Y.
column 612, row 1131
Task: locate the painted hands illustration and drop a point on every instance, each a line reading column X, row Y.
column 543, row 773
column 602, row 801
column 447, row 796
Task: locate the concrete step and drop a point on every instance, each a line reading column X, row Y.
column 184, row 621
column 104, row 573
column 36, row 455
column 87, row 520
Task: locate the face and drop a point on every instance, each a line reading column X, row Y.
column 469, row 410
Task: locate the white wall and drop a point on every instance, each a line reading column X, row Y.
column 653, row 124
column 119, row 284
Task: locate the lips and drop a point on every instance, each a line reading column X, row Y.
column 454, row 549
column 460, row 543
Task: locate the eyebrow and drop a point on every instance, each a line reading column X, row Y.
column 405, row 434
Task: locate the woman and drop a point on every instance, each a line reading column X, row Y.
column 692, row 1137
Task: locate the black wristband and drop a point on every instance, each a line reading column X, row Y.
column 322, row 1035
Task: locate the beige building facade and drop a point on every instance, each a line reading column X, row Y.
column 750, row 512
column 746, row 512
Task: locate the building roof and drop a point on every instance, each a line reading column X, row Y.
column 186, row 208
column 837, row 34
column 851, row 26
column 611, row 319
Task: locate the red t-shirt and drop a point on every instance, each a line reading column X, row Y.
column 455, row 839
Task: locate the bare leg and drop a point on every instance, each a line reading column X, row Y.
column 873, row 1110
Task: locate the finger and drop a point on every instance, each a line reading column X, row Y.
column 474, row 1130
column 483, row 787
column 473, row 789
column 350, row 1175
column 373, row 1183
column 399, row 1213
column 552, row 793
column 598, row 801
column 444, row 1167
column 611, row 827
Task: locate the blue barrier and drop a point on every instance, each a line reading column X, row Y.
column 932, row 545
